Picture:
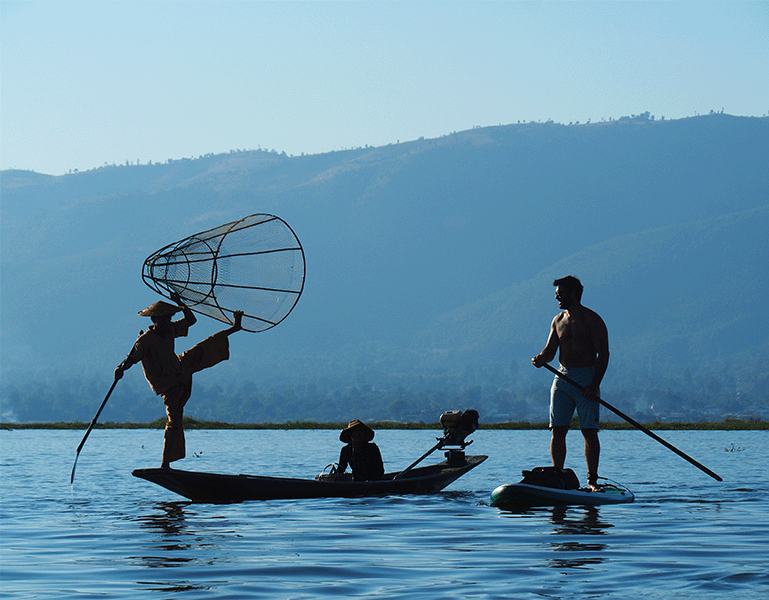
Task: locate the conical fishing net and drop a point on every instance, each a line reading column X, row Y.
column 255, row 265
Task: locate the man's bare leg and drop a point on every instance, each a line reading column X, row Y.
column 592, row 452
column 558, row 446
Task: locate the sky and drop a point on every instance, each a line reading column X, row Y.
column 84, row 84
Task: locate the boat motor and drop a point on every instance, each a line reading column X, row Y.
column 457, row 425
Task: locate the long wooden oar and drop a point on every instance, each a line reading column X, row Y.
column 88, row 432
column 637, row 425
column 93, row 422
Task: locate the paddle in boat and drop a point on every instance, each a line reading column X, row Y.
column 223, row 488
column 549, row 486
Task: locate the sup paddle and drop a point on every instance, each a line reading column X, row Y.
column 90, row 427
column 637, row 425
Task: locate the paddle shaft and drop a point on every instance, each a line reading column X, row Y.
column 637, row 425
column 90, row 427
column 421, row 458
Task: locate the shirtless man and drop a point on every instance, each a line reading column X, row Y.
column 583, row 340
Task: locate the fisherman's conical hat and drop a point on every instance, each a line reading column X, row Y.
column 355, row 424
column 159, row 309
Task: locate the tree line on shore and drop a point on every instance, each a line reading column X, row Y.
column 190, row 423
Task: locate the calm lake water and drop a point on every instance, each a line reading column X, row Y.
column 111, row 535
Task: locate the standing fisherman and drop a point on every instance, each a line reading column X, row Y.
column 169, row 375
column 581, row 336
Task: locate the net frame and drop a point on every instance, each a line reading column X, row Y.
column 198, row 267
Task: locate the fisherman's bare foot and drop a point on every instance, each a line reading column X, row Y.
column 237, row 320
column 594, row 487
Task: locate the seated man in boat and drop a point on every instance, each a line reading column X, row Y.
column 360, row 453
column 169, row 375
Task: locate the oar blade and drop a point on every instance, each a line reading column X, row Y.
column 90, row 427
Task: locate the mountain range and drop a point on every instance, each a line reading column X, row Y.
column 429, row 273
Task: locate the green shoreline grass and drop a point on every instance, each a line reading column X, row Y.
column 189, row 423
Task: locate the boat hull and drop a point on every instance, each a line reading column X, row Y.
column 517, row 495
column 221, row 488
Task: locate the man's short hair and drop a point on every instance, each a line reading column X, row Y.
column 570, row 283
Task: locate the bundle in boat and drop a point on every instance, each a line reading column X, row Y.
column 255, row 264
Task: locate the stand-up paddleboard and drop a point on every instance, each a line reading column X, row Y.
column 550, row 486
column 517, row 495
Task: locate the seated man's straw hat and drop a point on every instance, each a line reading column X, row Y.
column 356, row 425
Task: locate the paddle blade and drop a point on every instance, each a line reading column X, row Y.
column 255, row 265
column 72, row 476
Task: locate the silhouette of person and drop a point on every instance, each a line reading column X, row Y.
column 581, row 339
column 360, row 453
column 169, row 375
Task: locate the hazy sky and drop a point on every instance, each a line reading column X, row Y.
column 88, row 83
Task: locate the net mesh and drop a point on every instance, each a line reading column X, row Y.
column 255, row 265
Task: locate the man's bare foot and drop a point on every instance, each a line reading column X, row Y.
column 594, row 487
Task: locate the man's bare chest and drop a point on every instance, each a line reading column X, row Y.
column 572, row 330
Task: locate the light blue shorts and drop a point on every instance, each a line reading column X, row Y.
column 564, row 398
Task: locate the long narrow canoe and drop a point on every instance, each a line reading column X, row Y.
column 517, row 495
column 222, row 488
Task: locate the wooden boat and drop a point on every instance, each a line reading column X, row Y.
column 222, row 488
column 517, row 495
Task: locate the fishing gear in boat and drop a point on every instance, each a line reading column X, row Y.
column 255, row 264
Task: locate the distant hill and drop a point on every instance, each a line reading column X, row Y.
column 429, row 271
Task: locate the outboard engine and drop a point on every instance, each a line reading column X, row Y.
column 457, row 425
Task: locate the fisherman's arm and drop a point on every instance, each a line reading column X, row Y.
column 189, row 316
column 127, row 363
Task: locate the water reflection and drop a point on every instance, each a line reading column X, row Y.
column 588, row 524
column 170, row 524
column 168, row 547
column 576, row 522
column 170, row 521
column 160, row 586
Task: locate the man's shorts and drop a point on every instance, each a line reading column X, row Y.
column 564, row 398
